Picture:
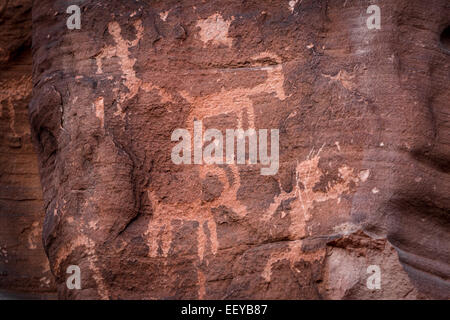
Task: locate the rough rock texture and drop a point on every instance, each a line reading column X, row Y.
column 23, row 265
column 364, row 148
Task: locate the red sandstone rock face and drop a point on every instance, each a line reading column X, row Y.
column 363, row 175
column 23, row 265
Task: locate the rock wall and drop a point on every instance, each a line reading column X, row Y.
column 363, row 128
column 24, row 267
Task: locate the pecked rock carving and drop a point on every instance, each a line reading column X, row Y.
column 363, row 176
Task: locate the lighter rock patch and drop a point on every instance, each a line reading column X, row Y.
column 214, row 29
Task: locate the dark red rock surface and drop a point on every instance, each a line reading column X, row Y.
column 364, row 148
column 24, row 268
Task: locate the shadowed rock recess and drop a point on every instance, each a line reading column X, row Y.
column 363, row 120
column 24, row 268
